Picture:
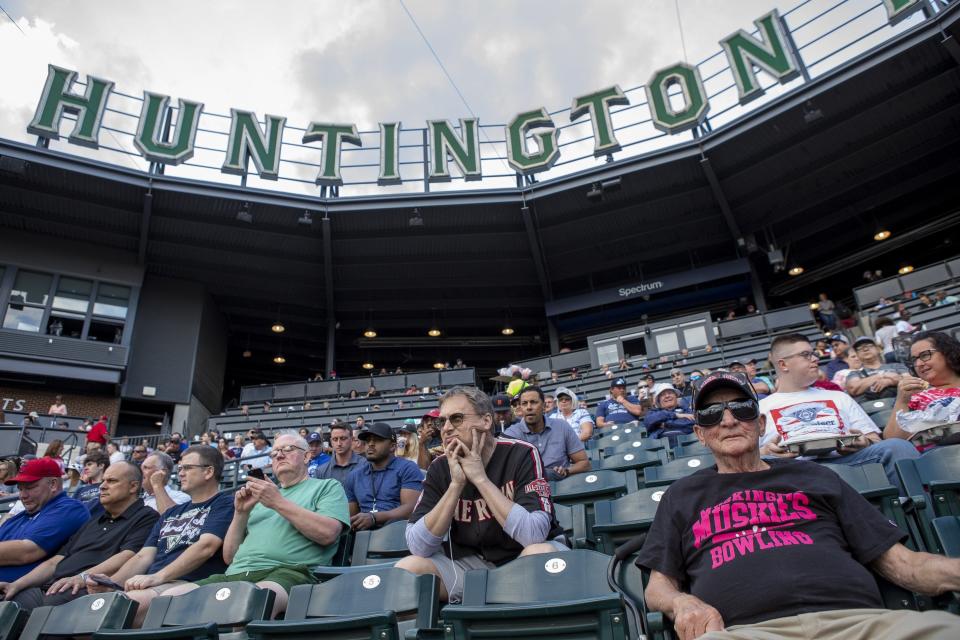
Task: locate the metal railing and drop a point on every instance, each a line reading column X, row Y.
column 826, row 33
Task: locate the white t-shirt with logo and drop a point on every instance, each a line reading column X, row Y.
column 812, row 413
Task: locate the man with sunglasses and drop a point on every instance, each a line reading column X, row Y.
column 489, row 494
column 875, row 378
column 799, row 410
column 755, row 548
column 278, row 533
column 186, row 541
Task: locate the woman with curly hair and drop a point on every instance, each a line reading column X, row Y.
column 935, row 357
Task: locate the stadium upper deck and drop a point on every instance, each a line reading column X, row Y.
column 209, row 267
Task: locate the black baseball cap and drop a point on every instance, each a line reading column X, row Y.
column 618, row 382
column 501, row 402
column 377, row 430
column 721, row 379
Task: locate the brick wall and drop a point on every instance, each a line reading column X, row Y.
column 39, row 400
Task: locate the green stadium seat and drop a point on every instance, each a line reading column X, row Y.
column 380, row 545
column 12, row 619
column 573, row 520
column 932, row 482
column 674, row 470
column 366, row 604
column 689, row 438
column 691, row 449
column 616, row 521
column 633, row 444
column 556, row 595
column 637, row 459
column 872, row 483
column 587, row 488
column 881, row 417
column 81, row 617
column 876, row 406
column 946, row 529
column 619, row 439
column 211, row 611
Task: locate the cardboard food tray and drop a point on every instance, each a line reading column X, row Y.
column 819, row 446
column 943, row 433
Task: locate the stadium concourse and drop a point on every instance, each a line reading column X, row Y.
column 457, row 413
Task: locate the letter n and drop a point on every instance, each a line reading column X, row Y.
column 465, row 150
column 248, row 140
column 58, row 98
column 771, row 53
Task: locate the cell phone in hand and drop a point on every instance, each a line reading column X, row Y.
column 106, row 582
column 257, row 473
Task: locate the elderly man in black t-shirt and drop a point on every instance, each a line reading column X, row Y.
column 489, row 493
column 754, row 548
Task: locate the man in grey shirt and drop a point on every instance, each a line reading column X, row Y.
column 343, row 460
column 560, row 448
column 875, row 379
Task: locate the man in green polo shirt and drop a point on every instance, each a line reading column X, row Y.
column 278, row 533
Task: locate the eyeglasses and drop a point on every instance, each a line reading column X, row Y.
column 286, row 450
column 456, row 419
column 191, row 467
column 742, row 410
column 806, row 355
column 923, row 356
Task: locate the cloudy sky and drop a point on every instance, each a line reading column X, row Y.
column 364, row 61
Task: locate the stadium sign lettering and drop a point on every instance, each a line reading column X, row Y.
column 531, row 136
column 626, row 292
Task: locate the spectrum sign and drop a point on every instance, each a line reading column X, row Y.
column 531, row 136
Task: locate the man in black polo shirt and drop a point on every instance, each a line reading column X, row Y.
column 102, row 545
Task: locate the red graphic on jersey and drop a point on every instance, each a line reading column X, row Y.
column 807, row 420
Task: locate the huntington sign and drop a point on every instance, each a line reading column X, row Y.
column 675, row 96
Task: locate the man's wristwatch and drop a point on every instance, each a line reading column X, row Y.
column 373, row 517
column 83, row 575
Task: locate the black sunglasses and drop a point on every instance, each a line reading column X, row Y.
column 742, row 410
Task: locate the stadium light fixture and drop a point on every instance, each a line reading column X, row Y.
column 795, row 271
column 244, row 214
column 507, row 331
column 370, row 333
column 595, row 194
column 306, row 219
column 278, row 327
column 434, row 332
column 814, row 306
column 279, row 359
column 367, row 365
column 416, row 220
column 247, row 353
column 905, row 269
column 881, row 235
column 438, row 365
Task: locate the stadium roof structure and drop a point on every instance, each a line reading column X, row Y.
column 812, row 170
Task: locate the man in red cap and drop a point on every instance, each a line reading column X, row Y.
column 429, row 435
column 48, row 520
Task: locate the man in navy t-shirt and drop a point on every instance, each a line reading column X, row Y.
column 620, row 408
column 47, row 521
column 385, row 487
column 186, row 543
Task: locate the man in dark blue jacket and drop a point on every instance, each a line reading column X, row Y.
column 670, row 416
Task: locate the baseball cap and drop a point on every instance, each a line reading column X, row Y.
column 501, row 402
column 433, row 413
column 76, row 466
column 721, row 379
column 378, row 430
column 407, row 426
column 34, row 415
column 618, row 382
column 863, row 340
column 660, row 388
column 33, row 470
column 840, row 337
column 314, row 437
